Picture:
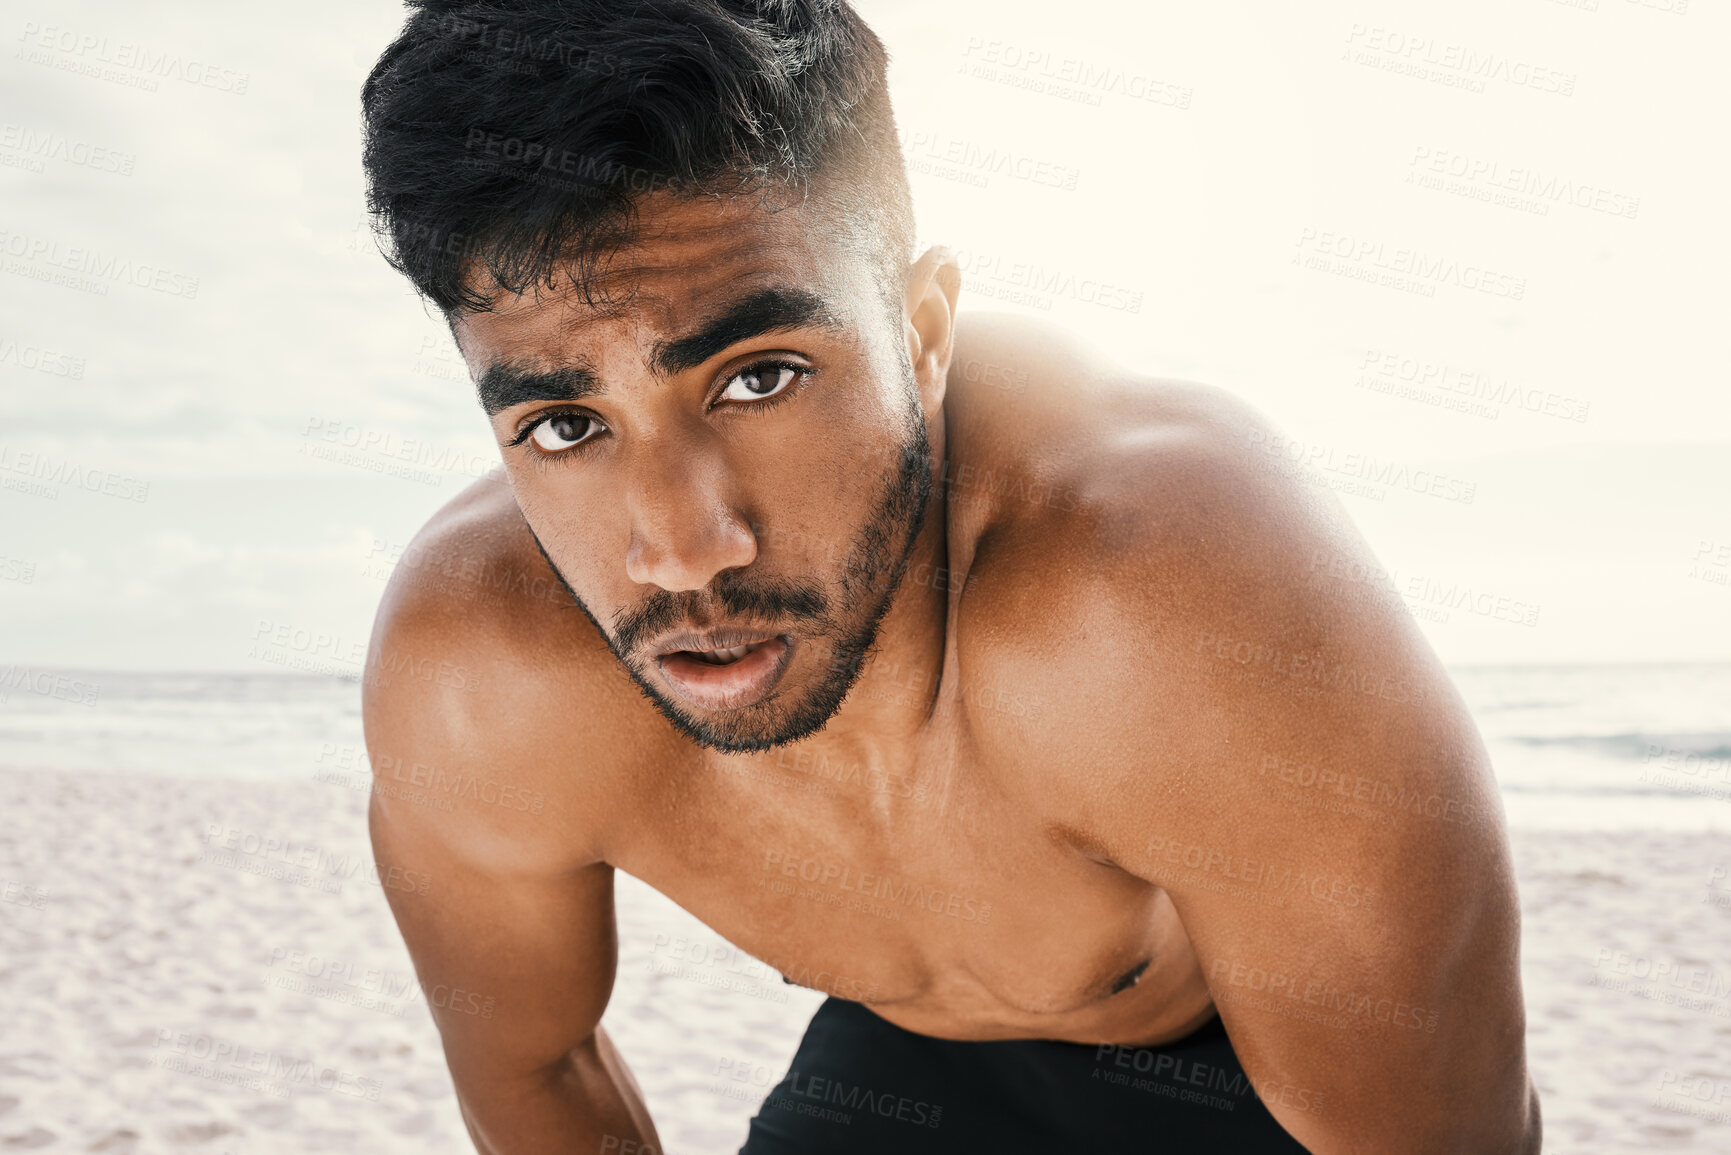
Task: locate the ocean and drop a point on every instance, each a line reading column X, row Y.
column 135, row 936
column 1603, row 747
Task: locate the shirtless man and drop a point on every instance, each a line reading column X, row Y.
column 1147, row 825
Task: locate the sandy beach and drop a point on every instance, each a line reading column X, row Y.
column 1457, row 260
column 196, row 964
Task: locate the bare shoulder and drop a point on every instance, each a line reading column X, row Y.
column 1068, row 447
column 1227, row 710
column 1190, row 600
column 495, row 715
column 1156, row 500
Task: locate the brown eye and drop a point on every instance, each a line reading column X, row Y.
column 561, row 431
column 759, row 381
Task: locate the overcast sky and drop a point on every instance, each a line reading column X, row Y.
column 1482, row 242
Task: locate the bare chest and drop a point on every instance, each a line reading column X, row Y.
column 947, row 909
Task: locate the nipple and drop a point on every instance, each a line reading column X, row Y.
column 1131, row 976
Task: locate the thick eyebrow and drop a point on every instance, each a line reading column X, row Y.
column 764, row 311
column 505, row 384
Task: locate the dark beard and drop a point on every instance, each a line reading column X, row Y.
column 872, row 574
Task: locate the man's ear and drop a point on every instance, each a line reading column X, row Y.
column 930, row 311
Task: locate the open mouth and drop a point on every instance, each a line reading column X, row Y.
column 723, row 657
column 727, row 677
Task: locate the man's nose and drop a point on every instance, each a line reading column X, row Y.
column 684, row 526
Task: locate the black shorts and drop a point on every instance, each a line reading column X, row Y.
column 861, row 1084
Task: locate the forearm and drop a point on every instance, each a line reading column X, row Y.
column 1462, row 1131
column 586, row 1105
column 1516, row 1129
column 1532, row 1131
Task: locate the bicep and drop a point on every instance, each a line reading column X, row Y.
column 517, row 965
column 1370, row 990
column 1322, row 813
column 511, row 926
column 1346, row 884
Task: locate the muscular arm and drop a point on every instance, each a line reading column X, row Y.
column 1284, row 755
column 489, row 786
column 1366, row 955
column 517, row 967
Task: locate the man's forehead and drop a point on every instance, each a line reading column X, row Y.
column 687, row 262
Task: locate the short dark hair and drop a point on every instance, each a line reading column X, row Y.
column 518, row 137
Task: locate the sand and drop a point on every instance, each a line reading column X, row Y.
column 171, row 985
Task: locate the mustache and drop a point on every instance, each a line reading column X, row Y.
column 730, row 594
